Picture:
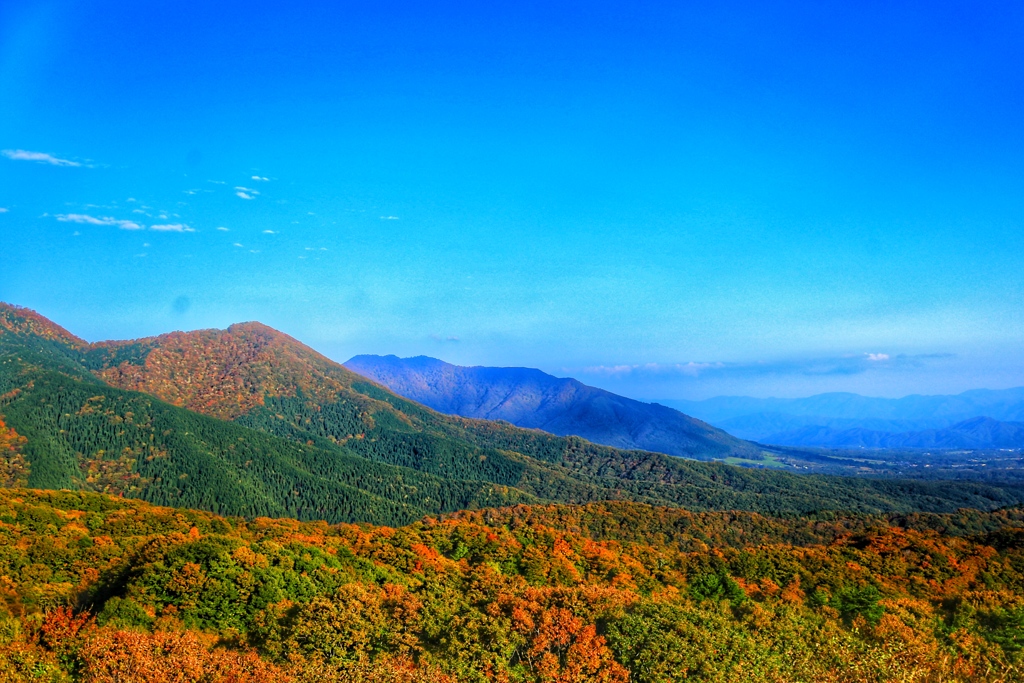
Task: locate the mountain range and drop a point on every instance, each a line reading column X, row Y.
column 530, row 398
column 533, row 399
column 980, row 418
column 248, row 421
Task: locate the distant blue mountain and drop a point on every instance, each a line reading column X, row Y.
column 841, row 420
column 531, row 398
column 976, row 433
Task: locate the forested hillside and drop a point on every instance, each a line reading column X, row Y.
column 101, row 589
column 311, row 440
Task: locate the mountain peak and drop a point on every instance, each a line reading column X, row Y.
column 230, row 371
column 528, row 397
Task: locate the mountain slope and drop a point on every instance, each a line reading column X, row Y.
column 535, row 400
column 316, row 441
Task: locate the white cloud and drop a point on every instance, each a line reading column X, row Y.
column 389, row 218
column 269, row 232
column 3, row 209
column 172, row 227
column 244, row 195
column 130, row 199
column 691, row 369
column 256, row 177
column 139, row 211
column 25, row 155
column 853, row 364
column 223, row 229
column 239, row 245
column 92, row 220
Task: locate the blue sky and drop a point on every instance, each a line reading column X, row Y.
column 670, row 201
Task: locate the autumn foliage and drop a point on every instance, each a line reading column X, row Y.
column 101, row 589
column 222, row 373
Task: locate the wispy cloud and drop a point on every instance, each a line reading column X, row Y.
column 172, row 227
column 223, row 229
column 103, row 220
column 41, row 157
column 853, row 364
column 239, row 245
column 246, row 192
column 269, row 232
column 3, row 209
column 389, row 218
column 260, row 178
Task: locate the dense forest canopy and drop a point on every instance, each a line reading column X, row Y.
column 103, row 589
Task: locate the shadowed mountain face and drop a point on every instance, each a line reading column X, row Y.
column 533, row 399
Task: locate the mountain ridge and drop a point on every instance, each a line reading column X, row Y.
column 841, row 420
column 321, row 442
column 973, row 434
column 530, row 398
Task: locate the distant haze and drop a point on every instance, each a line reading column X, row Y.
column 974, row 419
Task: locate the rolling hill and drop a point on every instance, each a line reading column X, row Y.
column 248, row 421
column 536, row 400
